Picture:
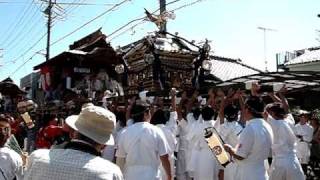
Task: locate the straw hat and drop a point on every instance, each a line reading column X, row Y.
column 94, row 122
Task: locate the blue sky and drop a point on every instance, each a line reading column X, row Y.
column 231, row 25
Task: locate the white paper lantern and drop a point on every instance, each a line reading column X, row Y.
column 119, row 68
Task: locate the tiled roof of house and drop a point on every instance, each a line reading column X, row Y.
column 307, row 57
column 226, row 68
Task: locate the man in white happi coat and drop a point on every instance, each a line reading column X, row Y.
column 141, row 148
column 304, row 133
column 169, row 129
column 285, row 164
column 230, row 131
column 254, row 144
column 205, row 165
column 194, row 120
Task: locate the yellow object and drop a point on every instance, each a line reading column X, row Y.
column 216, row 145
column 27, row 119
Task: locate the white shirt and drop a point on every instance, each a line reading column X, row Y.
column 290, row 120
column 204, row 165
column 170, row 130
column 142, row 144
column 284, row 139
column 254, row 146
column 303, row 148
column 10, row 164
column 183, row 132
column 306, row 131
column 230, row 132
column 67, row 164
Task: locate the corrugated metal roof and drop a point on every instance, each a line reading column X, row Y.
column 226, row 69
column 307, row 57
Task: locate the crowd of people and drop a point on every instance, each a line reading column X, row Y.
column 152, row 138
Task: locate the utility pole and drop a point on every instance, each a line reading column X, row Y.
column 264, row 29
column 163, row 27
column 48, row 11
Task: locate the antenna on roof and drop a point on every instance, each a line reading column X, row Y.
column 264, row 29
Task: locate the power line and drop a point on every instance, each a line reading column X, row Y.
column 24, row 33
column 11, row 28
column 130, row 28
column 85, row 24
column 143, row 18
column 25, row 52
column 60, row 39
column 189, row 4
column 70, row 8
column 61, row 3
column 138, row 19
column 15, row 36
column 23, row 64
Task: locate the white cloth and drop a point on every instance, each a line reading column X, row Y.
column 181, row 170
column 303, row 146
column 66, row 164
column 10, row 164
column 109, row 151
column 170, row 130
column 286, row 169
column 230, row 132
column 254, row 146
column 192, row 138
column 290, row 120
column 285, row 164
column 205, row 165
column 142, row 144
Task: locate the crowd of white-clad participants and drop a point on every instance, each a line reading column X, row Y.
column 262, row 138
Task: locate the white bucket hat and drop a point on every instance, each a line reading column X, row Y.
column 94, row 122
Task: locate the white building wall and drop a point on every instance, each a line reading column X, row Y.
column 312, row 66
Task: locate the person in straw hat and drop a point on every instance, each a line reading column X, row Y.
column 80, row 158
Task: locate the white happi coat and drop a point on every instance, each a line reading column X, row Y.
column 170, row 131
column 230, row 132
column 290, row 120
column 142, row 144
column 285, row 164
column 254, row 146
column 191, row 138
column 182, row 147
column 303, row 146
column 205, row 165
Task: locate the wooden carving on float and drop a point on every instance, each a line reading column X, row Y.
column 158, row 63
